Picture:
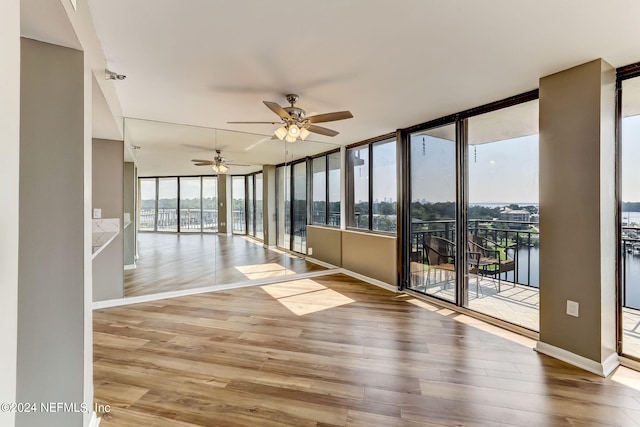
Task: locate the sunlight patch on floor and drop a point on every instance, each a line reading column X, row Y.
column 627, row 377
column 263, row 271
column 306, row 296
column 494, row 330
column 476, row 323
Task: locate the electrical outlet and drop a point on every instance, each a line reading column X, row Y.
column 309, row 251
column 97, row 213
column 573, row 308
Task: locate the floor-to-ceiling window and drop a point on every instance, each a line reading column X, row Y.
column 186, row 204
column 250, row 206
column 283, row 205
column 238, row 206
column 210, row 203
column 167, row 204
column 333, row 160
column 190, row 204
column 299, row 225
column 432, row 246
column 292, row 206
column 503, row 229
column 148, row 204
column 630, row 217
column 472, row 209
column 259, row 206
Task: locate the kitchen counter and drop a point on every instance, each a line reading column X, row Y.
column 104, row 231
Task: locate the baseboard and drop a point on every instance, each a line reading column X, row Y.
column 629, row 363
column 130, row 266
column 371, row 280
column 95, row 421
column 604, row 369
column 321, row 263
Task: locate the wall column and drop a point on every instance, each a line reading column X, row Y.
column 107, row 195
column 54, row 269
column 577, row 216
column 269, row 205
column 129, row 204
column 225, row 216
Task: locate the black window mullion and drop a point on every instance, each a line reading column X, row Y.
column 178, row 220
column 462, row 189
column 291, row 210
column 370, row 148
column 326, row 188
column 155, row 224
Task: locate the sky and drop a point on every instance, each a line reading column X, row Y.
column 504, row 171
column 631, row 159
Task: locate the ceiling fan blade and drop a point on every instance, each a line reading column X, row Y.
column 254, row 123
column 236, row 164
column 201, row 161
column 203, row 164
column 197, row 147
column 278, row 110
column 330, row 117
column 321, row 130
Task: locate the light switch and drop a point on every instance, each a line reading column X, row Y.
column 97, row 213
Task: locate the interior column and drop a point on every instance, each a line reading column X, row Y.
column 52, row 252
column 577, row 216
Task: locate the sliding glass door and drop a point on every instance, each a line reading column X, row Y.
column 503, row 246
column 630, row 218
column 432, row 253
column 259, row 207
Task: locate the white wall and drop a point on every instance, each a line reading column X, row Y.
column 9, row 187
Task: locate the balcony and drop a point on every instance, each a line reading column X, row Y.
column 514, row 295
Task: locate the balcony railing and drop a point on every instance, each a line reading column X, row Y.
column 630, row 241
column 519, row 242
column 190, row 219
column 515, row 240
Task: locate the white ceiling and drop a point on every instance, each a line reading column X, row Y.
column 392, row 64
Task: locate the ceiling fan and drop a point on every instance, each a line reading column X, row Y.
column 295, row 122
column 219, row 164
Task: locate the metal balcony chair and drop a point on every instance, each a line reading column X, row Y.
column 440, row 258
column 487, row 259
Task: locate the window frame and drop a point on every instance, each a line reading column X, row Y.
column 349, row 194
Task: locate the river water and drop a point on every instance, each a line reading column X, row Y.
column 532, row 276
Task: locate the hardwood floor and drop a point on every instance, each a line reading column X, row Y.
column 334, row 351
column 172, row 262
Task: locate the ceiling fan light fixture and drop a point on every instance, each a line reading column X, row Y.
column 290, row 138
column 294, row 131
column 304, row 133
column 220, row 168
column 280, row 133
